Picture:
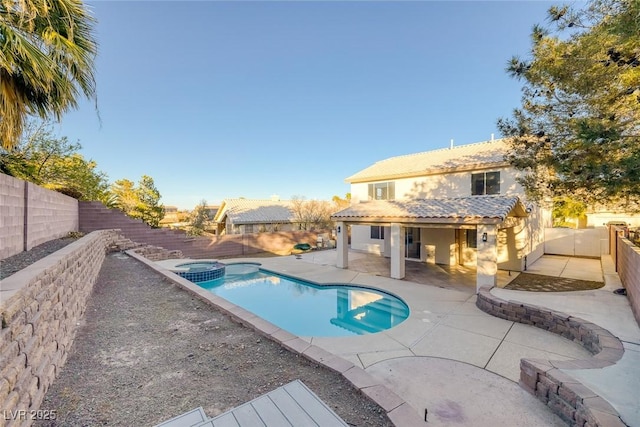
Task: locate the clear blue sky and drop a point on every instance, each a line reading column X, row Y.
column 220, row 100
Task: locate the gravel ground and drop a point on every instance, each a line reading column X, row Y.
column 15, row 263
column 540, row 283
column 147, row 351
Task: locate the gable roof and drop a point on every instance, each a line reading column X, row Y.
column 247, row 211
column 471, row 210
column 463, row 157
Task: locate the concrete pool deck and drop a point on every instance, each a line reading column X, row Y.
column 463, row 365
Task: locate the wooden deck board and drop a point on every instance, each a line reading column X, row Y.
column 290, row 405
column 269, row 412
column 321, row 414
column 191, row 418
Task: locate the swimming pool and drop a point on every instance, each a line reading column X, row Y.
column 307, row 309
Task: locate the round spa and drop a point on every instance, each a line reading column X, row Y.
column 200, row 271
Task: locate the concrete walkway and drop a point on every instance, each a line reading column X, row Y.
column 618, row 384
column 460, row 364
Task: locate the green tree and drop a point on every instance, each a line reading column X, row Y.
column 565, row 209
column 577, row 132
column 54, row 163
column 126, row 196
column 341, row 203
column 47, row 52
column 198, row 219
column 149, row 209
column 141, row 201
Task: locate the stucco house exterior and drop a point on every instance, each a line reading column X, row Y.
column 242, row 216
column 458, row 205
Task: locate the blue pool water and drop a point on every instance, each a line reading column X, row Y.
column 305, row 309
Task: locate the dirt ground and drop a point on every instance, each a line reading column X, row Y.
column 542, row 283
column 147, row 351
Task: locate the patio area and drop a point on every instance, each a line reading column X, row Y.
column 459, row 363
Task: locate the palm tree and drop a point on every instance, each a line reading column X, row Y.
column 47, row 51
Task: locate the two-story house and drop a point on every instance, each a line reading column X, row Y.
column 458, row 205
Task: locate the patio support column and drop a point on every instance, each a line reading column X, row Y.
column 487, row 270
column 397, row 251
column 342, row 245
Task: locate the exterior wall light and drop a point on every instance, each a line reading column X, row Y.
column 338, row 229
column 484, row 237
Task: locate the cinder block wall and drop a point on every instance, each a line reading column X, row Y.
column 629, row 271
column 11, row 215
column 39, row 308
column 49, row 215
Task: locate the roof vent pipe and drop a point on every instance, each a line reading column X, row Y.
column 451, row 146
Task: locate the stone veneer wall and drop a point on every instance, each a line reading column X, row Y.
column 40, row 213
column 565, row 396
column 39, row 308
column 628, row 266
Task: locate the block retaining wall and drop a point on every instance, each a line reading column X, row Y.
column 573, row 402
column 39, row 308
column 628, row 266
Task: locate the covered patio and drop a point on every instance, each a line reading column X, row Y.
column 497, row 223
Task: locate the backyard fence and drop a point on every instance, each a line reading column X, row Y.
column 626, row 258
column 590, row 242
column 31, row 215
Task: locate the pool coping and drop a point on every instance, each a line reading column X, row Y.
column 397, row 409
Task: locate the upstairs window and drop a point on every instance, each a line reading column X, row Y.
column 382, row 191
column 485, row 183
column 377, row 232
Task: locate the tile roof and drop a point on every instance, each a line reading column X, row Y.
column 454, row 208
column 470, row 156
column 247, row 211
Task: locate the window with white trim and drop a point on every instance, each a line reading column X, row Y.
column 485, row 183
column 382, row 191
column 377, row 232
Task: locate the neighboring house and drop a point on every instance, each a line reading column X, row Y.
column 211, row 210
column 240, row 216
column 459, row 205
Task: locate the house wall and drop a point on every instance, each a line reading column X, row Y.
column 456, row 184
column 428, row 250
column 510, row 241
column 49, row 215
column 517, row 247
column 443, row 240
column 361, row 240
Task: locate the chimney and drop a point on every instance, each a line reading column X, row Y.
column 492, row 137
column 451, row 146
